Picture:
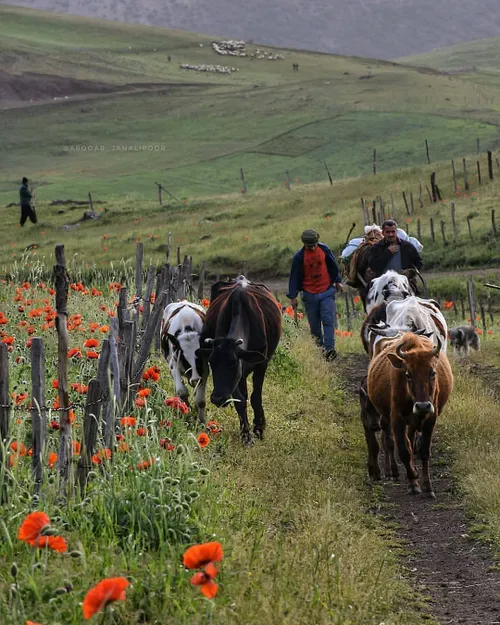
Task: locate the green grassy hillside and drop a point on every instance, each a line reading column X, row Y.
column 147, row 119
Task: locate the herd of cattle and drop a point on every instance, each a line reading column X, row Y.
column 409, row 378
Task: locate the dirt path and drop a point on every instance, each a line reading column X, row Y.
column 443, row 562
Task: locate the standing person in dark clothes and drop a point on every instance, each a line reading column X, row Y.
column 396, row 254
column 315, row 272
column 26, row 200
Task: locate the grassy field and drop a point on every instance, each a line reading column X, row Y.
column 264, row 118
column 290, row 512
column 262, row 228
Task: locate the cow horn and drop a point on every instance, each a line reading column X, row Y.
column 239, row 342
column 400, row 352
column 437, row 348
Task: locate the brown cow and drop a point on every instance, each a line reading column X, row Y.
column 409, row 383
column 241, row 333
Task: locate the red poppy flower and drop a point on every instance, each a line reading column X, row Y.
column 19, row 448
column 141, row 431
column 89, row 343
column 205, row 302
column 92, row 355
column 205, row 579
column 106, row 591
column 32, row 526
column 52, row 459
column 74, row 353
column 144, row 464
column 203, row 439
column 198, row 556
column 128, row 422
column 177, row 404
column 140, row 402
column 144, row 392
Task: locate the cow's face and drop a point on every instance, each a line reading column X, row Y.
column 420, row 375
column 226, row 369
column 186, row 342
column 226, row 357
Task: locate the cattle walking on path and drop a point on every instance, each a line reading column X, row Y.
column 180, row 341
column 241, row 333
column 408, row 385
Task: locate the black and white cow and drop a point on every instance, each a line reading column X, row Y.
column 388, row 287
column 180, row 339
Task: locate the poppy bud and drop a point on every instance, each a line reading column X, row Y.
column 75, row 554
column 14, row 570
column 60, row 591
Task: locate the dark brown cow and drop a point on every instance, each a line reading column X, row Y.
column 408, row 384
column 241, row 333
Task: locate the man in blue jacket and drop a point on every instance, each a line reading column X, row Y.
column 315, row 272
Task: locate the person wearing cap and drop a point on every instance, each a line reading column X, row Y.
column 26, row 201
column 315, row 273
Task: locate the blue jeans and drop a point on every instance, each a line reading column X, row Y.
column 321, row 311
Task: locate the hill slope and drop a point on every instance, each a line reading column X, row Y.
column 371, row 28
column 110, row 86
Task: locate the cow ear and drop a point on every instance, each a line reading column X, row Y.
column 396, row 361
column 173, row 340
column 460, row 335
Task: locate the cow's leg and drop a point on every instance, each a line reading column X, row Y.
column 391, row 469
column 241, row 396
column 425, row 454
column 405, row 452
column 259, row 419
column 199, row 399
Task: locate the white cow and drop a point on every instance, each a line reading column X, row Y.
column 388, row 287
column 180, row 339
column 417, row 315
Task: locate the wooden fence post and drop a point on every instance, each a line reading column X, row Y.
column 453, row 220
column 493, row 221
column 490, row 165
column 201, row 280
column 90, row 429
column 442, row 233
column 150, row 281
column 243, row 180
column 112, row 409
column 412, row 205
column 103, row 379
column 433, row 235
column 466, row 178
column 374, row 212
column 477, row 145
column 287, row 181
column 419, row 233
column 429, row 194
column 139, row 253
column 4, row 418
column 433, row 187
column 478, row 172
column 406, row 203
column 472, row 301
column 328, row 172
column 455, row 186
column 469, row 226
column 374, row 161
column 420, row 201
column 169, row 248
column 427, row 152
column 91, row 204
column 483, row 316
column 38, row 410
column 65, row 448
